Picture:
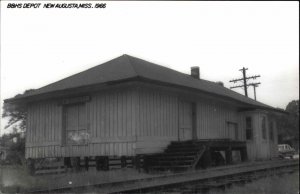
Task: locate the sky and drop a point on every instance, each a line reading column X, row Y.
column 41, row 46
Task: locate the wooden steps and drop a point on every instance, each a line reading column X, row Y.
column 178, row 156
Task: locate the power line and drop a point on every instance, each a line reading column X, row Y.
column 244, row 79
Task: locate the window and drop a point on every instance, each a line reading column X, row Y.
column 263, row 128
column 271, row 130
column 249, row 129
column 75, row 124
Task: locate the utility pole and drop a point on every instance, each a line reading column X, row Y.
column 245, row 79
column 254, row 88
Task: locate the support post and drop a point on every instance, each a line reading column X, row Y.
column 137, row 162
column 98, row 163
column 67, row 163
column 123, row 162
column 86, row 163
column 31, row 166
column 146, row 163
column 244, row 156
column 105, row 163
column 207, row 157
column 228, row 154
column 76, row 163
column 133, row 161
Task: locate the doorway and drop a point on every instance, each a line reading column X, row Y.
column 187, row 121
column 232, row 131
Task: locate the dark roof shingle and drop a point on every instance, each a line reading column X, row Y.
column 126, row 67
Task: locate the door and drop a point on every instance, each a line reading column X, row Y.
column 232, row 131
column 187, row 120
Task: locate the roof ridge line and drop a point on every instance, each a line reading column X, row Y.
column 131, row 64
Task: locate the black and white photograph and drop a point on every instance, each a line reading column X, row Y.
column 149, row 97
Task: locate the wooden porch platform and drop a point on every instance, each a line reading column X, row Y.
column 222, row 143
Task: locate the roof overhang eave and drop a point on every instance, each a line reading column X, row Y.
column 60, row 93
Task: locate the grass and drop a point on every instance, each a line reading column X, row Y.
column 16, row 178
column 279, row 184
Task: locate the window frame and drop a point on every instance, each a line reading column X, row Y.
column 65, row 131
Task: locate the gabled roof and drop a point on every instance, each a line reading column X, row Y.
column 127, row 67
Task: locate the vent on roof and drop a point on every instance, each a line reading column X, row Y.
column 220, row 83
column 195, row 73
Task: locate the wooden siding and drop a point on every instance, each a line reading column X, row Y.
column 212, row 120
column 111, row 125
column 259, row 148
column 157, row 120
column 274, row 142
column 44, row 124
column 139, row 120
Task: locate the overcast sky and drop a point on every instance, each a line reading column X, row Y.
column 40, row 46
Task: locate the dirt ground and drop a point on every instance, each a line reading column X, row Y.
column 16, row 179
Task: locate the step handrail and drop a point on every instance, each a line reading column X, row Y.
column 198, row 156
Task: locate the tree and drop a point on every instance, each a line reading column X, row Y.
column 15, row 143
column 293, row 107
column 16, row 113
column 288, row 125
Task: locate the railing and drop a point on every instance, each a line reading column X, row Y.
column 198, row 157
